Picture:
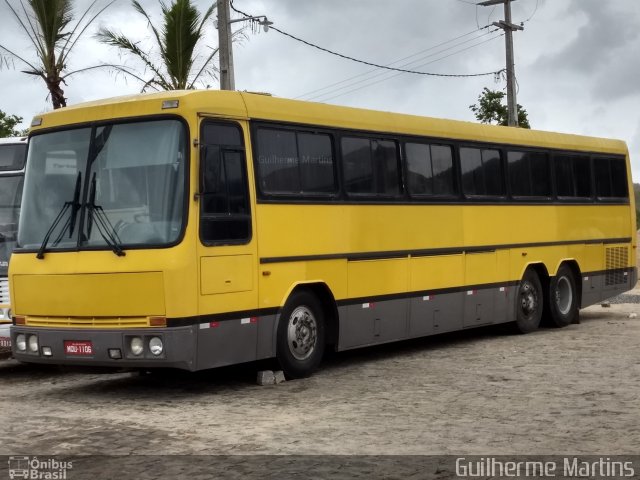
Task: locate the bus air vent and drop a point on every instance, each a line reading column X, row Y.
column 617, row 259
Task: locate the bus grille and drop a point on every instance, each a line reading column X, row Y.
column 617, row 259
column 4, row 290
column 75, row 322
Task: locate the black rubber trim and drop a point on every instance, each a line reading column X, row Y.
column 432, row 252
column 221, row 317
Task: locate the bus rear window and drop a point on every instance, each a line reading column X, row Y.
column 611, row 178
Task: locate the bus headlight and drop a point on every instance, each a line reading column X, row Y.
column 21, row 342
column 33, row 343
column 155, row 346
column 136, row 346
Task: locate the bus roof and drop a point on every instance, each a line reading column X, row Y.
column 245, row 105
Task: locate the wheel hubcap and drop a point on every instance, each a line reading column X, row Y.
column 302, row 333
column 563, row 295
column 528, row 299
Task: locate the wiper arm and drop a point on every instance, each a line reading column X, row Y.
column 75, row 206
column 45, row 241
column 105, row 228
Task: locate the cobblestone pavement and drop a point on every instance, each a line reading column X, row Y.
column 573, row 390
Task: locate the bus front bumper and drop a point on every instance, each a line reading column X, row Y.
column 130, row 348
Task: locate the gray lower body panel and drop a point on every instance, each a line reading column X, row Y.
column 599, row 287
column 193, row 347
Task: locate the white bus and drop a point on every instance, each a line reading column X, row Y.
column 13, row 153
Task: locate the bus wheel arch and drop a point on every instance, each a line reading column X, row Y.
column 307, row 323
column 564, row 295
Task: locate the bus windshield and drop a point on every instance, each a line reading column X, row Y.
column 10, row 193
column 87, row 188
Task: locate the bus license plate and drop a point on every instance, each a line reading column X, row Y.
column 78, row 347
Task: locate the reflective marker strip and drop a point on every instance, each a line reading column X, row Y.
column 209, row 325
column 471, row 292
column 586, row 279
column 426, row 298
column 245, row 321
column 365, row 305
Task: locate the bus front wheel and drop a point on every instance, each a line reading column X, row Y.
column 529, row 303
column 301, row 334
column 563, row 298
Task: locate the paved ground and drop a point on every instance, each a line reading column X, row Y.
column 573, row 390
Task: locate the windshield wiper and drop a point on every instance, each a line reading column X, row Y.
column 95, row 213
column 74, row 205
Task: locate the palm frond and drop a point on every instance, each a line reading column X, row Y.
column 203, row 68
column 180, row 39
column 142, row 11
column 67, row 49
column 114, row 39
column 23, row 60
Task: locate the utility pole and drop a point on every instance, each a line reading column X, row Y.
column 509, row 28
column 227, row 80
column 225, row 39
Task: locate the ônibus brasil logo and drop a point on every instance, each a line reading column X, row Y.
column 33, row 468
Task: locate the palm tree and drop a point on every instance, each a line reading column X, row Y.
column 180, row 66
column 48, row 25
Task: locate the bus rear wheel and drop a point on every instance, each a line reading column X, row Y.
column 301, row 334
column 529, row 303
column 563, row 298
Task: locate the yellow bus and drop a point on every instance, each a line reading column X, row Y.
column 206, row 228
column 13, row 152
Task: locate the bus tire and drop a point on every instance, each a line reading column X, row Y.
column 563, row 298
column 529, row 303
column 301, row 335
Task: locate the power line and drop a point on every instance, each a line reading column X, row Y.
column 381, row 73
column 364, row 62
column 534, row 12
column 420, row 53
column 398, row 74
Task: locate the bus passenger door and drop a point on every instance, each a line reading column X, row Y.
column 227, row 252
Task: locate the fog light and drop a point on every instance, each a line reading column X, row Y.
column 33, row 343
column 46, row 351
column 155, row 345
column 115, row 353
column 136, row 346
column 21, row 342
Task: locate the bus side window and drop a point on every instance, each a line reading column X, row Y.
column 224, row 195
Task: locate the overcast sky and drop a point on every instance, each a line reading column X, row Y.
column 577, row 61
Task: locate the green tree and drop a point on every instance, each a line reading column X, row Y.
column 50, row 27
column 177, row 45
column 491, row 109
column 8, row 125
